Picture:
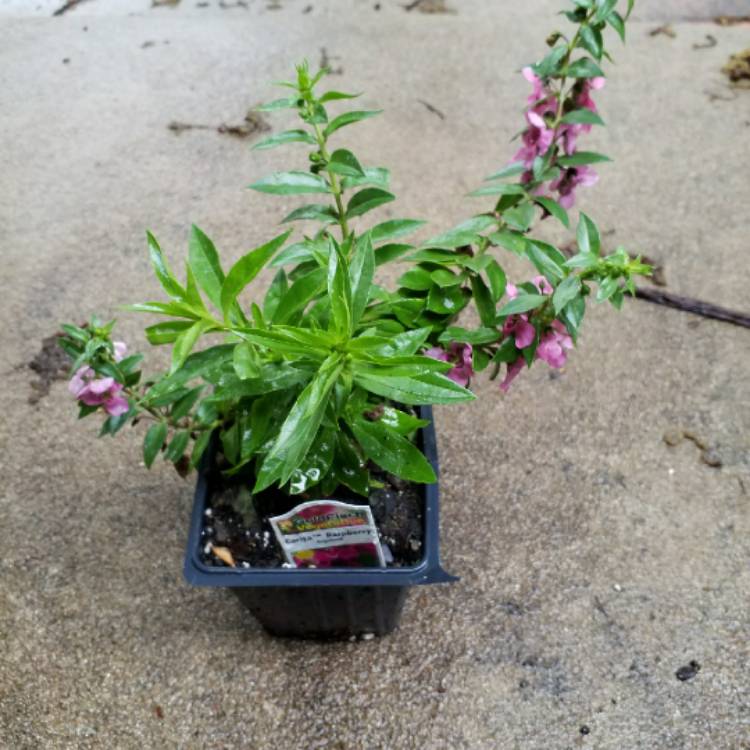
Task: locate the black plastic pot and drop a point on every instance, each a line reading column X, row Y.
column 334, row 603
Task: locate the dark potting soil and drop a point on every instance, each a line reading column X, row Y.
column 237, row 520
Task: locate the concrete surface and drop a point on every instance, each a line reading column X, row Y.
column 595, row 560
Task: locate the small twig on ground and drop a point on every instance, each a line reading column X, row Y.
column 65, row 7
column 710, row 42
column 666, row 30
column 691, row 305
column 432, row 109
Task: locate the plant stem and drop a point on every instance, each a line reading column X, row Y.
column 333, row 179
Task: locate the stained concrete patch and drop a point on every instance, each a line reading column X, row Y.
column 614, row 559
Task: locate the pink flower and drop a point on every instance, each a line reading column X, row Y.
column 553, row 344
column 537, row 138
column 512, row 372
column 120, row 348
column 94, row 391
column 537, row 83
column 461, row 355
column 569, row 180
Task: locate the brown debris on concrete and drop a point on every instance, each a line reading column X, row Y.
column 737, row 69
column 50, row 363
column 253, row 124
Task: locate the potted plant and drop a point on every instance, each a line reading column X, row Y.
column 322, row 390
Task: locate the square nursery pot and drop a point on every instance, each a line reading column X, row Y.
column 319, row 603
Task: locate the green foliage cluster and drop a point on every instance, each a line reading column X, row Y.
column 318, row 378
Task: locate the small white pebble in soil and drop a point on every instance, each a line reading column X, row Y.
column 266, row 539
column 245, row 564
column 207, row 548
column 617, row 587
column 368, row 636
column 208, row 513
column 415, row 544
column 287, row 565
column 352, row 638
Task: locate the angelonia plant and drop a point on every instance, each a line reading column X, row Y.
column 315, row 383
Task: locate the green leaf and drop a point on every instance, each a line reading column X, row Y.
column 581, row 157
column 512, row 241
column 178, row 444
column 603, row 9
column 617, row 22
column 185, row 342
column 464, row 336
column 348, row 468
column 296, row 342
column 361, row 272
column 311, row 212
column 183, row 405
column 316, row 463
column 199, row 447
column 246, row 269
column 274, row 295
column 520, row 217
column 175, row 309
column 171, row 286
column 631, row 5
column 390, row 252
column 166, row 332
column 199, row 364
column 402, row 344
column 587, row 235
column 393, row 452
column 429, row 388
column 591, row 41
column 286, row 103
column 331, row 96
column 516, row 168
column 465, row 233
column 550, row 65
column 445, row 278
column 607, row 287
column 345, row 163
column 300, row 427
column 390, row 230
column 340, row 294
column 153, row 442
column 204, row 260
column 367, row 199
column 291, row 183
column 572, row 316
column 497, row 279
column 568, row 290
column 555, row 209
column 448, row 300
column 484, row 301
column 374, row 176
column 417, row 279
column 582, row 117
column 347, row 119
column 584, row 68
column 400, row 421
column 499, row 189
column 288, row 136
column 522, row 303
column 245, row 360
column 304, row 289
column 547, row 259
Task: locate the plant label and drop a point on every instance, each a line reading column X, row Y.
column 329, row 534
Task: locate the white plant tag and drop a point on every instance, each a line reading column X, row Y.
column 329, row 534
